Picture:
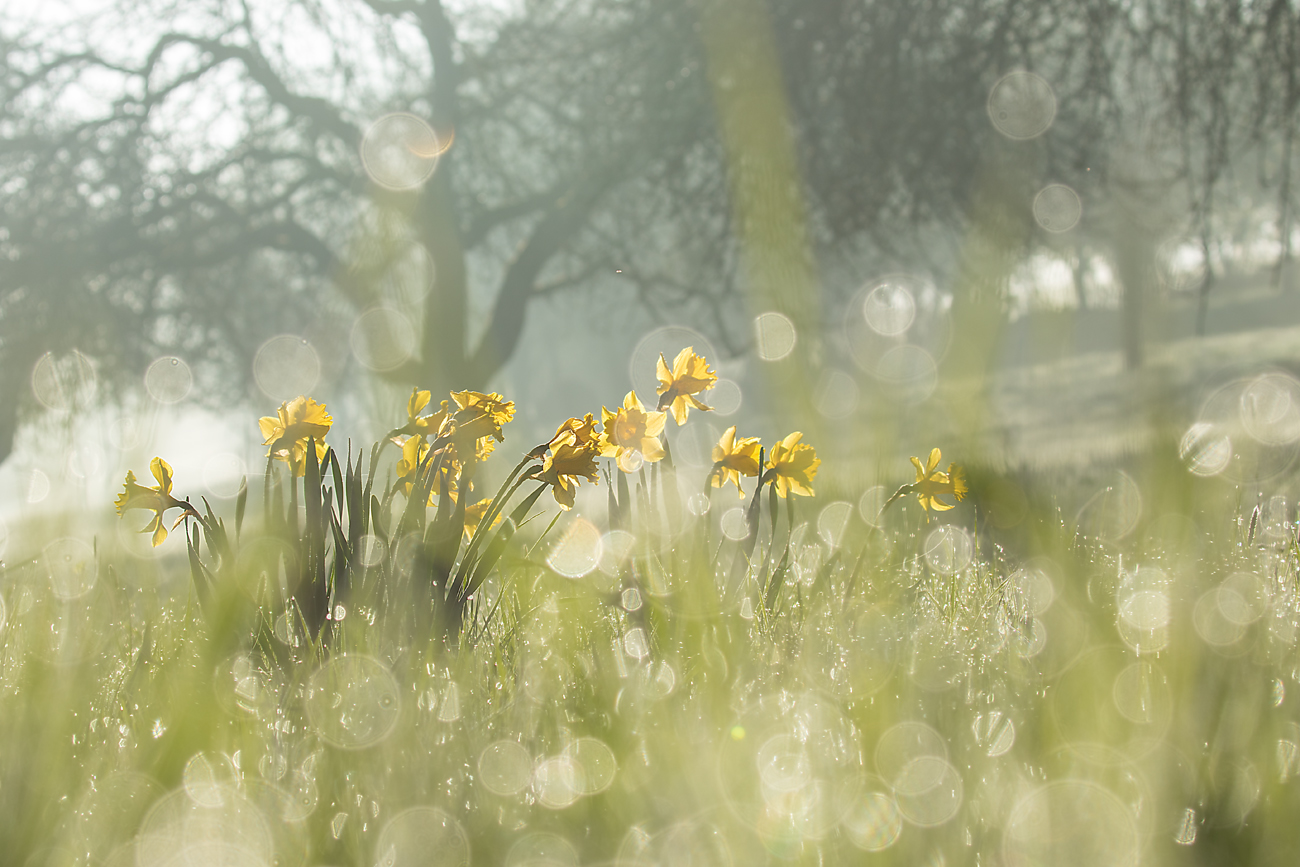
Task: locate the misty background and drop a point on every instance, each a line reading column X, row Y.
column 1044, row 234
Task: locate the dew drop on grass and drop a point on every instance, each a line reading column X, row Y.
column 1279, row 688
column 631, row 599
column 449, row 707
column 1185, row 832
column 994, row 732
column 698, row 504
column 833, row 521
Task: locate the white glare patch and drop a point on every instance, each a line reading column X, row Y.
column 505, row 768
column 418, row 836
column 775, row 334
column 733, row 524
column 889, row 308
column 400, row 151
column 382, row 339
column 70, row 565
column 38, row 486
column 578, row 551
column 1270, row 409
column 285, row 367
column 725, row 397
column 223, row 473
column 1205, row 449
column 833, row 521
column 873, row 822
column 168, row 380
column 64, row 382
column 1057, row 208
column 1021, row 105
column 1185, row 832
column 949, row 549
column 352, row 702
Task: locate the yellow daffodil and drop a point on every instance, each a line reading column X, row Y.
column 930, row 483
column 792, row 466
column 579, row 431
column 415, row 451
column 677, row 387
column 480, row 415
column 631, row 432
column 156, row 499
column 568, row 462
column 287, row 432
column 474, row 514
column 734, row 458
column 418, row 425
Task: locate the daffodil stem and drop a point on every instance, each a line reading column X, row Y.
column 503, row 495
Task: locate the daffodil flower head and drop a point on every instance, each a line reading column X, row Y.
column 733, row 458
column 930, row 483
column 689, row 376
column 289, row 430
column 631, row 432
column 792, row 466
column 480, row 415
column 157, row 499
column 428, row 425
column 570, row 460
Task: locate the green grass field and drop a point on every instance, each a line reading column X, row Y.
column 342, row 670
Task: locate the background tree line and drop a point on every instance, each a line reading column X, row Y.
column 184, row 177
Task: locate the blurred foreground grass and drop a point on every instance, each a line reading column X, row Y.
column 341, row 676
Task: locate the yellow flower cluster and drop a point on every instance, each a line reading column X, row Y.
column 791, row 466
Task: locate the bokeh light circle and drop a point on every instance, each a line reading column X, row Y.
column 422, row 837
column 63, row 382
column 353, row 702
column 505, row 768
column 775, row 335
column 168, row 379
column 1206, row 449
column 1021, row 105
column 223, row 473
column 383, row 339
column 949, row 549
column 578, row 551
column 285, row 367
column 71, row 568
column 889, row 308
column 1057, row 208
column 1074, row 823
column 400, row 151
column 873, row 822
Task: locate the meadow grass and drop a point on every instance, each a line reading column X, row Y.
column 342, row 671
